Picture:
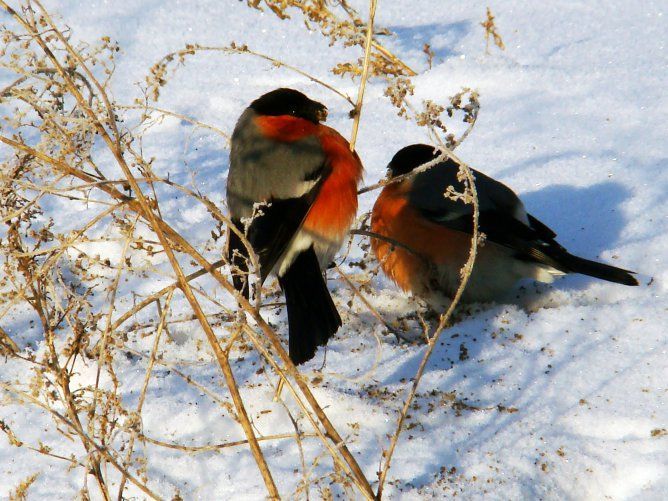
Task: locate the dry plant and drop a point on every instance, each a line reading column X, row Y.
column 340, row 23
column 20, row 493
column 491, row 32
column 65, row 140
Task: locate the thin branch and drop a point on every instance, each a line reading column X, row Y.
column 188, row 379
column 378, row 236
column 102, row 353
column 332, row 448
column 369, row 306
column 391, row 57
column 466, row 271
column 158, row 294
column 197, row 449
column 243, row 49
column 104, row 451
column 7, row 343
column 147, row 377
column 185, row 118
column 396, row 179
column 365, row 73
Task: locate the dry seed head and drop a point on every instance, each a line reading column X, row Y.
column 491, row 32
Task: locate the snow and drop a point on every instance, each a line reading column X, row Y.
column 559, row 403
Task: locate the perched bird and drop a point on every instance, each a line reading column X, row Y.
column 414, row 213
column 292, row 189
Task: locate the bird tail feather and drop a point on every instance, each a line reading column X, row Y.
column 598, row 270
column 312, row 315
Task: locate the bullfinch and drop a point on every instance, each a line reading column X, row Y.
column 415, row 213
column 292, row 190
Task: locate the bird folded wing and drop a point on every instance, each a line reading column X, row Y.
column 277, row 221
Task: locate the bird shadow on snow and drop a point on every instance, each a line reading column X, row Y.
column 587, row 220
column 443, row 38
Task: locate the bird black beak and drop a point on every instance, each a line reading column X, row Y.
column 321, row 114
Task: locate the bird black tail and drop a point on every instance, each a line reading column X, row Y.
column 598, row 270
column 312, row 315
column 237, row 256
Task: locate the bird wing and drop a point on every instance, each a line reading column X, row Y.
column 502, row 216
column 277, row 221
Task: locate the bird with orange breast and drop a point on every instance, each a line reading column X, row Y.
column 292, row 190
column 433, row 233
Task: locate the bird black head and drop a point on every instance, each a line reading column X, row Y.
column 289, row 102
column 410, row 157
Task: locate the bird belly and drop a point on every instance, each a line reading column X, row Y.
column 495, row 273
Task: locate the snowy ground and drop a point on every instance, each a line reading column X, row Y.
column 559, row 403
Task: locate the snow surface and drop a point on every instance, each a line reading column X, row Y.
column 555, row 404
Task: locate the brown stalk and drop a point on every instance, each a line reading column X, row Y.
column 332, row 448
column 36, row 288
column 365, row 73
column 444, row 320
column 222, row 218
column 391, row 57
column 46, row 452
column 197, row 123
column 111, row 119
column 369, row 306
column 188, row 379
column 58, row 251
column 422, row 168
column 102, row 353
column 43, row 191
column 7, row 343
column 378, row 236
column 156, row 295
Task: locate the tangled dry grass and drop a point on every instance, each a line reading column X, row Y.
column 61, row 135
